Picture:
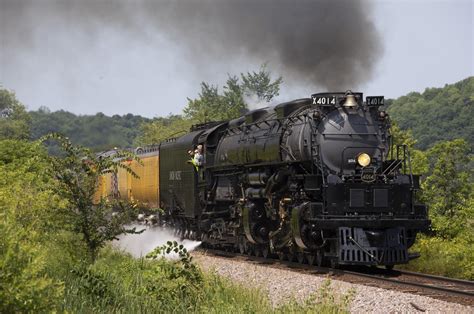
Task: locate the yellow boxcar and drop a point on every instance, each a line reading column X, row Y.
column 105, row 188
column 145, row 188
column 100, row 191
column 124, row 181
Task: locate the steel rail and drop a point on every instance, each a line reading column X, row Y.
column 454, row 280
column 469, row 293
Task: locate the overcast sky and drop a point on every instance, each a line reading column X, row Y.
column 422, row 44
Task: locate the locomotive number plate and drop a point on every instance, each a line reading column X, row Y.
column 375, row 100
column 324, row 100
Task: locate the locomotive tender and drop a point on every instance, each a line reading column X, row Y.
column 314, row 179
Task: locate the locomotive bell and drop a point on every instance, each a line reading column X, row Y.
column 350, row 101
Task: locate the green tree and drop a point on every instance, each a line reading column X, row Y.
column 260, row 84
column 233, row 98
column 213, row 106
column 161, row 129
column 14, row 120
column 77, row 171
column 448, row 188
column 402, row 137
column 209, row 106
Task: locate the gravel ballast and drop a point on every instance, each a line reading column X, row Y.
column 281, row 285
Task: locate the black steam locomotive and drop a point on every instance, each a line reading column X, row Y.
column 315, row 179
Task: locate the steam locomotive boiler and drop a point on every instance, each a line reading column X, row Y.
column 315, row 179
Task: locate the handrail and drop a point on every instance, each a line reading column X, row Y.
column 347, row 134
column 318, row 148
column 393, row 165
column 321, row 165
column 405, row 159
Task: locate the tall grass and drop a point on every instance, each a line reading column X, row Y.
column 118, row 283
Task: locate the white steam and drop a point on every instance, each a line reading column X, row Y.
column 141, row 244
column 254, row 102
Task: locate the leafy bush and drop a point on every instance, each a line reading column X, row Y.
column 451, row 258
column 24, row 283
column 27, row 229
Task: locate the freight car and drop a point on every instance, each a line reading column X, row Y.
column 315, row 179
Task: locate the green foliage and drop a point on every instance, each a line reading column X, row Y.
column 163, row 128
column 119, row 283
column 78, row 171
column 438, row 114
column 213, row 106
column 24, row 283
column 14, row 120
column 97, row 132
column 402, row 137
column 209, row 106
column 448, row 188
column 260, row 84
column 28, row 228
column 173, row 247
column 448, row 192
column 233, row 98
column 451, row 258
column 96, row 286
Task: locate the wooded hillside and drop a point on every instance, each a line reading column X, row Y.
column 98, row 132
column 437, row 114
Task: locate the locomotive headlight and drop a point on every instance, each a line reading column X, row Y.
column 363, row 160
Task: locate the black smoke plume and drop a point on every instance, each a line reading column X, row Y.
column 329, row 43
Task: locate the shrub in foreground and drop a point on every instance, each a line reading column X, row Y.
column 116, row 282
column 443, row 257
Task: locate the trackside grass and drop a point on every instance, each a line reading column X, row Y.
column 118, row 283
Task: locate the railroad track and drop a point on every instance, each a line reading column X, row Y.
column 443, row 288
column 448, row 289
